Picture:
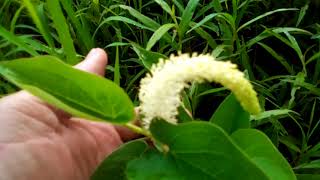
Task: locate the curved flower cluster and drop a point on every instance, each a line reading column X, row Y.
column 160, row 91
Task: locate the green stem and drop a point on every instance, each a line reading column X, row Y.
column 138, row 130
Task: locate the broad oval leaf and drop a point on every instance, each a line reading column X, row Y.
column 204, row 151
column 153, row 165
column 114, row 166
column 79, row 93
column 263, row 153
column 230, row 115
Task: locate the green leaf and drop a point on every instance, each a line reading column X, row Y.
column 79, row 93
column 217, row 6
column 179, row 5
column 264, row 15
column 147, row 57
column 144, row 19
column 158, row 34
column 203, row 150
column 308, row 176
column 290, row 144
column 203, row 21
column 116, row 44
column 12, row 38
column 153, row 166
column 63, row 31
column 114, row 166
column 273, row 113
column 184, row 115
column 231, row 122
column 187, row 17
column 15, row 18
column 212, row 91
column 271, row 32
column 278, row 57
column 125, row 20
column 302, row 13
column 38, row 20
column 263, row 153
column 146, row 22
column 116, row 74
column 313, row 57
column 83, row 33
column 300, row 78
column 311, row 87
column 164, row 6
column 206, row 36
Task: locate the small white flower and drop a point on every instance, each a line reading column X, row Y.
column 160, row 91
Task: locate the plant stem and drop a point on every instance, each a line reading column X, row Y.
column 138, row 130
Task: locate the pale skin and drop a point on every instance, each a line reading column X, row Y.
column 38, row 141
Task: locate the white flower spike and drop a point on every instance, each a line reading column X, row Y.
column 160, row 91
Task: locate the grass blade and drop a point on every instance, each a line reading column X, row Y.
column 278, row 57
column 43, row 28
column 275, row 31
column 63, row 31
column 17, row 41
column 302, row 13
column 296, row 47
column 186, row 17
column 122, row 19
column 146, row 21
column 300, row 78
column 158, row 34
column 264, row 15
column 179, row 5
column 15, row 18
column 86, row 42
column 217, row 6
column 314, row 57
column 164, row 6
column 203, row 21
column 117, row 68
column 271, row 113
column 142, row 18
column 210, row 40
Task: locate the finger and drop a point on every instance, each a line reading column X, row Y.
column 95, row 62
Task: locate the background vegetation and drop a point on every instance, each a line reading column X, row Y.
column 276, row 42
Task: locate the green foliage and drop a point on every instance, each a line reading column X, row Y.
column 63, row 31
column 115, row 165
column 153, row 165
column 63, row 86
column 204, row 151
column 230, row 115
column 275, row 41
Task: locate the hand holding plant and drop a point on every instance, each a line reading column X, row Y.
column 38, row 141
column 225, row 148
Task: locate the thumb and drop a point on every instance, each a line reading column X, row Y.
column 95, row 62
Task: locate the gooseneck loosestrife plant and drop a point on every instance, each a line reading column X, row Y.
column 224, row 148
column 160, row 90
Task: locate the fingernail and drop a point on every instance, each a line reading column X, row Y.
column 92, row 54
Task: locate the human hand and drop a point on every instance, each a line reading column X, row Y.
column 40, row 142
